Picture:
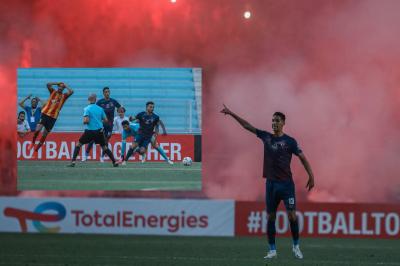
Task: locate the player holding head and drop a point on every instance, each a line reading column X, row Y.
column 278, row 150
column 50, row 111
column 149, row 126
column 108, row 104
column 93, row 118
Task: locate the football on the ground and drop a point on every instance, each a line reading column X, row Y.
column 187, row 161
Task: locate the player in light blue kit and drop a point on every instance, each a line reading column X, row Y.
column 93, row 119
column 129, row 130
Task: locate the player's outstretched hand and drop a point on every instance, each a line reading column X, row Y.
column 226, row 110
column 310, row 183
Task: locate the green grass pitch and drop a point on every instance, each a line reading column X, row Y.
column 55, row 175
column 107, row 250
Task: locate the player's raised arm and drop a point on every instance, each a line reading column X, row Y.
column 50, row 86
column 22, row 103
column 307, row 166
column 41, row 101
column 241, row 121
column 69, row 90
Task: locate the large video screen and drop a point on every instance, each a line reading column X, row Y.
column 109, row 129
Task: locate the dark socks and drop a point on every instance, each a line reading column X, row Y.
column 42, row 139
column 104, row 152
column 129, row 154
column 35, row 136
column 110, row 155
column 294, row 228
column 89, row 147
column 76, row 151
column 271, row 231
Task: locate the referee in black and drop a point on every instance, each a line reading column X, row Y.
column 93, row 118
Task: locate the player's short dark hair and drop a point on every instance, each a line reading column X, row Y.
column 281, row 115
column 22, row 112
column 125, row 122
column 149, row 102
column 122, row 109
column 106, row 88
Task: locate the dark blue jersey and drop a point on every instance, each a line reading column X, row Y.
column 278, row 155
column 109, row 108
column 147, row 123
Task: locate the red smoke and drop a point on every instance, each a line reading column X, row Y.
column 331, row 66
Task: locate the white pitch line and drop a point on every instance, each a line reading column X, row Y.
column 170, row 188
column 118, row 168
column 348, row 247
column 182, row 258
column 114, row 182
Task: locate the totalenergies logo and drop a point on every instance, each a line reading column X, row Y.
column 38, row 216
